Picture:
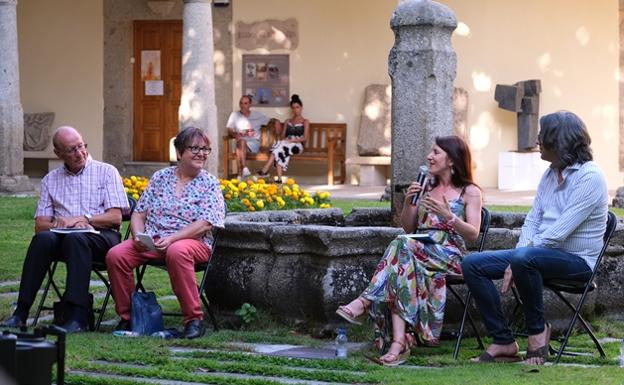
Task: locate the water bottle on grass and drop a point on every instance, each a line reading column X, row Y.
column 125, row 333
column 163, row 334
column 341, row 343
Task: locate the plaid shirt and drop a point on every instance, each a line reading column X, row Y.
column 93, row 190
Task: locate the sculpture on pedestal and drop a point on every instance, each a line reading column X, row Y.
column 522, row 98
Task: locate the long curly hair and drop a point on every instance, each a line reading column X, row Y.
column 566, row 134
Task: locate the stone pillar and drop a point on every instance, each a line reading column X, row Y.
column 197, row 105
column 422, row 66
column 223, row 46
column 11, row 112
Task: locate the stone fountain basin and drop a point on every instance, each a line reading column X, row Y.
column 302, row 264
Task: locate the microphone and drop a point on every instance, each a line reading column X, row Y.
column 421, row 180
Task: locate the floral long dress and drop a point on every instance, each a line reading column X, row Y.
column 411, row 276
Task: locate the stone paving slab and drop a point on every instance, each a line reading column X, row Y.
column 305, row 352
column 283, row 350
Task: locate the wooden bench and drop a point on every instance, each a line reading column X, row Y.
column 326, row 143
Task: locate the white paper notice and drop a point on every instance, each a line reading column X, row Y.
column 154, row 87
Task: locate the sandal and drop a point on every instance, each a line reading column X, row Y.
column 486, row 357
column 396, row 359
column 541, row 352
column 345, row 312
column 411, row 340
column 261, row 173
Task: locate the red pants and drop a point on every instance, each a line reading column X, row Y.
column 181, row 257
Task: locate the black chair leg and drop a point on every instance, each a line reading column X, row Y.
column 460, row 335
column 46, row 288
column 140, row 272
column 465, row 303
column 210, row 312
column 102, row 309
column 202, row 295
column 577, row 316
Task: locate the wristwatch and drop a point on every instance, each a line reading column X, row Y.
column 89, row 218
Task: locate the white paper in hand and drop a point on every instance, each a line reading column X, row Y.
column 424, row 238
column 147, row 240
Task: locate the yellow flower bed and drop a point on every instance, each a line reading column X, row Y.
column 135, row 185
column 251, row 195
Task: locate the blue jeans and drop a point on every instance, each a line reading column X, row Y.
column 530, row 266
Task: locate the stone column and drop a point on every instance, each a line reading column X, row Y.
column 11, row 112
column 197, row 105
column 422, row 66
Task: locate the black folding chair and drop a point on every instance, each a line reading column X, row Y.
column 559, row 286
column 202, row 267
column 99, row 268
column 454, row 280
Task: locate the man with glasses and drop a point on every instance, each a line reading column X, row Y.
column 84, row 195
column 244, row 126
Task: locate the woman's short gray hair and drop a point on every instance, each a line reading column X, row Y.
column 565, row 132
column 186, row 137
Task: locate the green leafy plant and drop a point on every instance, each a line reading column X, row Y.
column 247, row 312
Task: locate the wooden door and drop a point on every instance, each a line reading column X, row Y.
column 157, row 87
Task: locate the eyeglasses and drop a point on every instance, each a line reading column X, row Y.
column 73, row 150
column 196, row 149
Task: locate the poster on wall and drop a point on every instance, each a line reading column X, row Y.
column 267, row 79
column 154, row 88
column 150, row 72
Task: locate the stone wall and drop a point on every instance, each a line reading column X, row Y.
column 304, row 263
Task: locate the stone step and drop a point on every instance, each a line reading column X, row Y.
column 11, row 294
column 9, row 283
column 206, row 373
column 135, row 379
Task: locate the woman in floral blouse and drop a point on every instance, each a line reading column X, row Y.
column 179, row 209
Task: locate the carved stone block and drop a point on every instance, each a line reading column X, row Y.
column 375, row 132
column 37, row 130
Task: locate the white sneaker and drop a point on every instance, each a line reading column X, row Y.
column 246, row 172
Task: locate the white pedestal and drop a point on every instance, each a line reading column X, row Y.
column 520, row 171
column 372, row 175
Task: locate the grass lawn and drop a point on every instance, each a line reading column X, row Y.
column 147, row 357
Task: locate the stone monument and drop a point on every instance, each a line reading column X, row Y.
column 12, row 178
column 37, row 130
column 422, row 65
column 522, row 98
column 374, row 134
